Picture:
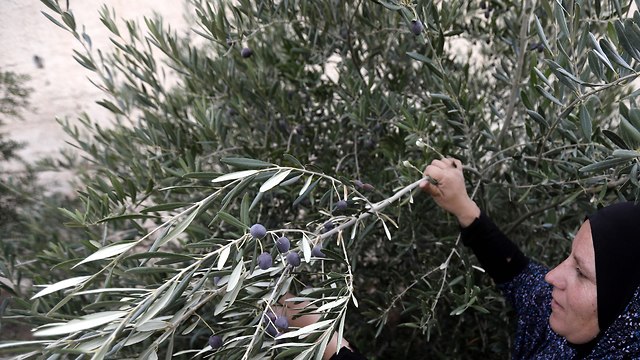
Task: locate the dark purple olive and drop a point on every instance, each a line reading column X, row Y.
column 246, row 52
column 369, row 144
column 215, row 342
column 268, row 317
column 416, row 27
column 328, row 226
column 281, row 323
column 271, row 330
column 258, row 231
column 283, row 244
column 367, row 187
column 265, row 261
column 317, row 251
column 341, row 205
column 293, row 259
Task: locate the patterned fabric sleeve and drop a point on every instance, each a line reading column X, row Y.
column 530, row 297
column 522, row 283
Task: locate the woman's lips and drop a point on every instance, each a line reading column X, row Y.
column 555, row 305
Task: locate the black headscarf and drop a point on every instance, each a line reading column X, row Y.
column 615, row 230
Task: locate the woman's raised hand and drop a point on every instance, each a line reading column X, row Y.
column 448, row 189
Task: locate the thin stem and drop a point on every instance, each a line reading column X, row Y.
column 517, row 79
column 374, row 209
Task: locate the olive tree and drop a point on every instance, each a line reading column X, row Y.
column 13, row 99
column 29, row 215
column 312, row 121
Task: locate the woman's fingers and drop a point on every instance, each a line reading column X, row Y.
column 430, row 188
column 446, row 163
column 445, row 172
column 442, row 163
column 434, row 171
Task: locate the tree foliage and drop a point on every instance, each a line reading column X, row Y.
column 29, row 216
column 334, row 101
column 13, row 99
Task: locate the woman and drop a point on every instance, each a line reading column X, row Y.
column 587, row 307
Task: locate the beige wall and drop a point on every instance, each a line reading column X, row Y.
column 61, row 87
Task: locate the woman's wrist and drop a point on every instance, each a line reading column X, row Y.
column 469, row 214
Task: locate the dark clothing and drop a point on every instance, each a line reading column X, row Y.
column 530, row 296
column 346, row 354
column 500, row 257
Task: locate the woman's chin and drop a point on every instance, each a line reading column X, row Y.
column 555, row 324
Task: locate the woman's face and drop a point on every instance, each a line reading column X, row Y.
column 574, row 313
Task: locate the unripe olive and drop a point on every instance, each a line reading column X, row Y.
column 215, row 342
column 283, row 244
column 258, row 231
column 416, row 27
column 281, row 323
column 317, row 251
column 293, row 259
column 246, row 52
column 265, row 261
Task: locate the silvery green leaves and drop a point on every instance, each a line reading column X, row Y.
column 623, row 161
column 239, row 266
column 604, row 65
column 574, row 86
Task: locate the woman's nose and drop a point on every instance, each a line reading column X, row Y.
column 554, row 277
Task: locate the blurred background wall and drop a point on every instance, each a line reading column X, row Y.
column 31, row 44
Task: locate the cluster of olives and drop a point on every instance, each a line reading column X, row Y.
column 265, row 260
column 275, row 324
